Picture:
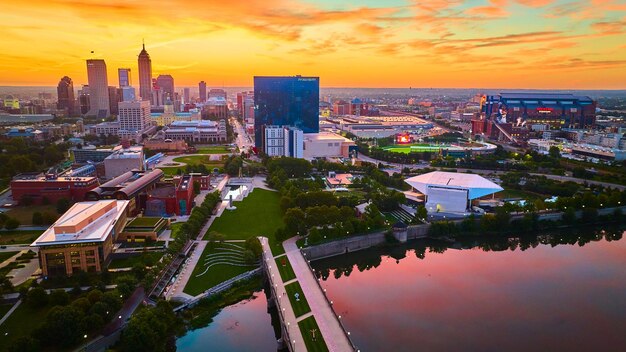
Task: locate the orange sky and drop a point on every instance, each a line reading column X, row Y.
column 350, row 43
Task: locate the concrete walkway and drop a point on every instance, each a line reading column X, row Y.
column 8, row 314
column 20, row 275
column 176, row 290
column 282, row 301
column 330, row 328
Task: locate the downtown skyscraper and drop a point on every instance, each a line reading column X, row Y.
column 65, row 93
column 145, row 74
column 124, row 77
column 286, row 101
column 202, row 91
column 98, row 88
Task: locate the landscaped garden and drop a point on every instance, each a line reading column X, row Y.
column 259, row 214
column 146, row 259
column 218, row 263
column 16, row 236
column 285, row 269
column 213, row 149
column 300, row 305
column 313, row 339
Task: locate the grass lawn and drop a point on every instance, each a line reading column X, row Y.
column 6, row 255
column 11, row 237
column 259, row 214
column 25, row 214
column 213, row 149
column 22, row 322
column 147, row 258
column 4, row 308
column 216, row 273
column 198, row 159
column 307, row 327
column 144, row 222
column 285, row 269
column 301, row 306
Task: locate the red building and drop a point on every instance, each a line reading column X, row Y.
column 51, row 187
column 358, row 108
column 176, row 198
column 341, row 107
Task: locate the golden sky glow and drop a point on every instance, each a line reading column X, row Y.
column 350, row 43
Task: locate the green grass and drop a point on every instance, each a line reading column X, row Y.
column 306, row 326
column 176, row 229
column 24, row 214
column 285, row 269
column 415, row 148
column 300, row 307
column 215, row 275
column 198, row 159
column 12, row 237
column 259, row 214
column 4, row 308
column 22, row 322
column 6, row 255
column 216, row 149
column 144, row 222
column 515, row 193
column 147, row 258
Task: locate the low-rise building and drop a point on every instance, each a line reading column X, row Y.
column 40, row 188
column 197, row 131
column 123, row 160
column 81, row 240
column 327, row 145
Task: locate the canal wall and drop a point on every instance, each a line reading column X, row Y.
column 360, row 242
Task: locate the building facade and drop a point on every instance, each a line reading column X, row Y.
column 124, row 77
column 65, row 93
column 202, row 91
column 286, row 101
column 134, row 116
column 283, row 141
column 145, row 75
column 39, row 188
column 98, row 88
column 204, row 131
column 166, row 83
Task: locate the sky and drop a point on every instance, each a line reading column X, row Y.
column 351, row 43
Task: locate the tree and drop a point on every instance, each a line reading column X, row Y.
column 11, row 224
column 38, row 219
column 37, row 297
column 25, row 344
column 151, row 329
column 554, row 152
column 196, row 188
column 215, row 237
column 569, row 216
column 59, row 298
column 294, row 220
column 126, row 285
column 63, row 326
column 63, row 205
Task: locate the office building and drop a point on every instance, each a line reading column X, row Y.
column 51, row 187
column 169, row 115
column 176, row 198
column 186, row 95
column 283, row 141
column 124, row 77
column 123, row 160
column 327, row 145
column 114, row 99
column 166, row 83
column 134, row 116
column 132, row 185
column 217, row 93
column 81, row 240
column 127, row 94
column 83, row 100
column 145, row 75
column 65, row 93
column 202, row 91
column 90, row 154
column 216, row 107
column 98, row 88
column 286, row 101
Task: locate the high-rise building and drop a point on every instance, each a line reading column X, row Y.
column 83, row 100
column 126, row 94
column 286, row 101
column 202, row 91
column 65, row 92
column 186, row 95
column 145, row 75
column 217, row 93
column 157, row 94
column 98, row 88
column 124, row 77
column 283, row 141
column 134, row 115
column 166, row 83
column 113, row 100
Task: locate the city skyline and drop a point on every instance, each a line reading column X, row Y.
column 510, row 44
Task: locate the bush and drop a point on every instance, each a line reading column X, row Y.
column 11, row 224
column 37, row 297
column 59, row 298
column 37, row 219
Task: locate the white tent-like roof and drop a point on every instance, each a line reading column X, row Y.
column 476, row 185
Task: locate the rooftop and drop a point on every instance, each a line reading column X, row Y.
column 477, row 185
column 325, row 136
column 84, row 222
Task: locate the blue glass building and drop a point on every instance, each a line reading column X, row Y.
column 286, row 101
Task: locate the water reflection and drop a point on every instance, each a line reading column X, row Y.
column 558, row 291
column 245, row 326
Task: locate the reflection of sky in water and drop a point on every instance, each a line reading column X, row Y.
column 565, row 298
column 245, row 326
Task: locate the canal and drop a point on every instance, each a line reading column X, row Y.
column 555, row 292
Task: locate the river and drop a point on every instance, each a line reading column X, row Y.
column 558, row 292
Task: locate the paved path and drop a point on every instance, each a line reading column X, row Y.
column 329, row 325
column 8, row 314
column 20, row 275
column 282, row 301
column 176, row 290
column 11, row 259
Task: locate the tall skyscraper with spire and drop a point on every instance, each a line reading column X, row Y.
column 145, row 74
column 98, row 88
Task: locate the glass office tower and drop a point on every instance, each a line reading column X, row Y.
column 286, row 101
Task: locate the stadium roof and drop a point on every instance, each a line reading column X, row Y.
column 478, row 186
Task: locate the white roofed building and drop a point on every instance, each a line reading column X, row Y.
column 82, row 238
column 451, row 192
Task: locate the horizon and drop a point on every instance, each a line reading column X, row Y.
column 536, row 44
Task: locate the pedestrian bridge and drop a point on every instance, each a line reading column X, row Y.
column 330, row 326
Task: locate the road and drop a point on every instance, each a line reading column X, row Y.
column 243, row 140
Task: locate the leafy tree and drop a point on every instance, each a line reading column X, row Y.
column 25, row 344
column 37, row 297
column 11, row 224
column 63, row 326
column 59, row 298
column 126, row 285
column 554, row 152
column 151, row 330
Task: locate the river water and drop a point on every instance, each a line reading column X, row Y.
column 554, row 292
column 530, row 294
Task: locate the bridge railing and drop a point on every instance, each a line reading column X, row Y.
column 273, row 286
column 330, row 303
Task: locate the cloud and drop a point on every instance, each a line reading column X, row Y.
column 610, row 28
column 534, row 3
column 488, row 11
